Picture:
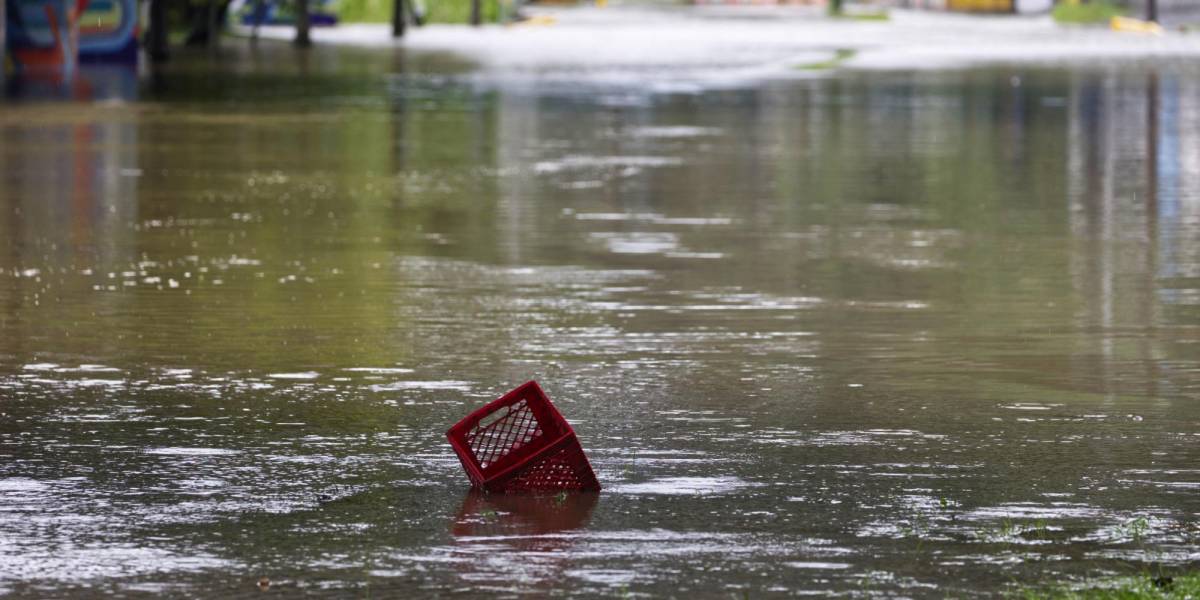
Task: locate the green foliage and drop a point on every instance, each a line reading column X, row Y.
column 364, row 11
column 1126, row 588
column 1096, row 11
column 435, row 11
column 459, row 11
column 881, row 15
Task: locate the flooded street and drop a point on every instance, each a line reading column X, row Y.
column 911, row 333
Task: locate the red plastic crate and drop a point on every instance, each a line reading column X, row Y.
column 520, row 443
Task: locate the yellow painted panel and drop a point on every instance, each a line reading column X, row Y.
column 981, row 5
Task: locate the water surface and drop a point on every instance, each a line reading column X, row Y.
column 922, row 334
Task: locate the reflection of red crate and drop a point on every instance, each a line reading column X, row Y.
column 499, row 539
column 526, row 520
column 520, row 443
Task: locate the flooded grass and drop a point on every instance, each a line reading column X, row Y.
column 1148, row 586
column 839, row 56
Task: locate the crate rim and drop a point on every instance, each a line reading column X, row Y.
column 457, row 432
column 478, row 414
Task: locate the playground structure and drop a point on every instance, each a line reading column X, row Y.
column 276, row 12
column 60, row 34
column 52, row 37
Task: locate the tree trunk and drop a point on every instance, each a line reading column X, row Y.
column 156, row 37
column 214, row 30
column 302, row 24
column 1152, row 10
column 476, row 16
column 835, row 7
column 397, row 18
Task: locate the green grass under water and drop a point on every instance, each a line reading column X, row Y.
column 1173, row 587
column 840, row 56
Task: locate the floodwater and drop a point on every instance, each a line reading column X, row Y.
column 907, row 333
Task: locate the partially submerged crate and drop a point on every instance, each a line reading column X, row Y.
column 521, row 443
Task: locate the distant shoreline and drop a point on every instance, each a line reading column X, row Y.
column 712, row 45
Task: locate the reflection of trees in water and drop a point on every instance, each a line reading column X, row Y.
column 1129, row 175
column 312, row 208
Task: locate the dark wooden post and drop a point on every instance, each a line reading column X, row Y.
column 302, row 24
column 476, row 16
column 156, row 37
column 1152, row 10
column 397, row 18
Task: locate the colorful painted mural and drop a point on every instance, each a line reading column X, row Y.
column 62, row 33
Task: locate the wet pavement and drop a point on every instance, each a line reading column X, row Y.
column 917, row 333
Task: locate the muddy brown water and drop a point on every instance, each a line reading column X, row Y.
column 917, row 334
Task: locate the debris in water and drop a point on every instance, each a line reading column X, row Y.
column 521, row 443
